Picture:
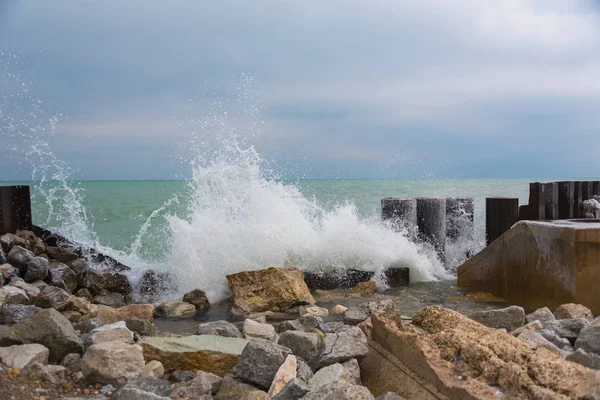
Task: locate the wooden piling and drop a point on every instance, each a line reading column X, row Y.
column 459, row 217
column 578, row 199
column 551, row 200
column 15, row 209
column 401, row 211
column 537, row 202
column 587, row 188
column 566, row 200
column 501, row 213
column 596, row 188
column 431, row 221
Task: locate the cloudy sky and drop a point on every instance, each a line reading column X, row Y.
column 327, row 88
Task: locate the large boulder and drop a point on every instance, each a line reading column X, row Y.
column 209, row 353
column 219, row 328
column 589, row 339
column 344, row 345
column 109, row 315
column 21, row 356
column 32, row 291
column 111, row 299
column 198, row 298
column 330, row 374
column 54, row 297
column 572, row 310
column 567, row 328
column 46, row 327
column 92, row 280
column 272, row 289
column 37, row 269
column 8, row 240
column 13, row 295
column 142, row 327
column 112, row 363
column 541, row 314
column 60, row 275
column 307, row 345
column 117, row 282
column 19, row 257
column 12, row 314
column 584, row 358
column 110, row 333
column 175, row 308
column 256, row 330
column 259, row 363
column 509, row 318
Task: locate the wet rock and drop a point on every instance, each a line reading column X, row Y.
column 553, row 338
column 174, row 309
column 306, row 345
column 117, row 282
column 379, row 306
column 62, row 276
column 21, row 356
column 234, row 390
column 112, row 363
column 339, row 309
column 210, row 353
column 340, row 391
column 536, row 340
column 14, row 295
column 364, row 288
column 354, row 316
column 37, row 269
column 293, row 390
column 509, row 318
column 61, row 254
column 154, row 283
column 8, row 240
column 91, row 280
column 111, row 299
column 541, row 314
column 33, row 243
column 154, row 369
column 181, row 376
column 572, row 310
column 78, row 266
column 286, row 372
column 343, row 345
column 6, row 272
column 314, row 311
column 272, row 289
column 256, row 330
column 54, row 297
column 259, row 363
column 589, row 360
column 589, row 339
column 331, row 374
column 14, row 313
column 567, row 328
column 110, row 333
column 108, row 316
column 46, row 327
column 70, row 359
column 142, row 327
column 198, row 298
column 219, row 328
column 19, row 257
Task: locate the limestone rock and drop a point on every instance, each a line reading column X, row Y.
column 304, row 371
column 365, row 288
column 112, row 363
column 142, row 327
column 219, row 328
column 314, row 311
column 54, row 297
column 367, row 327
column 128, row 393
column 206, row 379
column 109, row 333
column 340, row 391
column 589, row 339
column 61, row 254
column 154, row 369
column 19, row 257
column 293, row 390
column 286, row 372
column 117, row 282
column 589, row 360
column 6, row 271
column 149, row 386
column 14, row 295
column 32, row 242
column 108, row 316
column 210, row 353
column 8, row 240
column 21, row 356
column 256, row 330
column 62, row 276
column 111, row 299
column 541, row 314
column 259, row 363
column 31, row 291
column 354, row 316
column 536, row 340
column 82, row 305
column 46, row 327
column 343, row 345
column 307, row 345
column 307, row 323
column 70, row 359
column 571, row 310
column 14, row 313
column 531, row 326
column 40, row 372
column 92, row 280
column 234, row 390
column 274, row 289
column 567, row 328
column 509, row 318
column 553, row 338
column 198, row 298
column 339, row 309
column 379, row 306
column 37, row 269
column 353, row 369
column 331, row 374
column 174, row 309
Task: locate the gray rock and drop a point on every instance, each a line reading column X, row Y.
column 379, row 306
column 331, row 374
column 62, row 276
column 306, row 345
column 206, row 379
column 531, row 326
column 340, row 391
column 343, row 345
column 307, row 323
column 84, row 293
column 234, row 390
column 40, row 372
column 37, row 269
column 109, row 333
column 111, row 299
column 160, row 387
column 21, row 356
column 553, row 338
column 589, row 339
column 54, row 297
column 15, row 313
column 78, row 266
column 8, row 240
column 87, row 325
column 541, row 314
column 117, row 282
column 70, row 359
column 6, row 272
column 142, row 327
column 293, row 390
column 536, row 340
column 46, row 327
column 14, row 295
column 572, row 310
column 32, row 291
column 390, row 396
column 175, row 309
column 589, row 360
column 303, row 372
column 61, row 254
column 92, row 280
column 2, row 256
column 112, row 363
column 259, row 363
column 257, row 330
column 509, row 318
column 353, row 369
column 567, row 328
column 198, row 298
column 332, row 327
column 219, row 328
column 127, row 393
column 182, row 376
column 19, row 257
column 354, row 316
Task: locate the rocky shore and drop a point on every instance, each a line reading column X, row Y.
column 69, row 330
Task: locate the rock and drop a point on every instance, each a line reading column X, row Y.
column 127, row 393
column 571, row 311
column 306, row 345
column 181, row 376
column 256, row 330
column 390, row 396
column 286, row 372
column 272, row 289
column 54, row 297
column 219, row 328
column 31, row 291
column 70, row 359
column 154, row 369
column 2, row 256
column 367, row 327
column 293, row 390
column 314, row 311
column 7, row 271
column 92, row 280
column 72, row 316
column 553, row 338
column 364, row 288
column 62, row 276
column 531, row 326
column 19, row 257
column 339, row 309
column 259, row 363
column 112, row 363
column 589, row 360
column 8, row 240
column 108, row 316
column 198, row 298
column 509, row 318
column 82, row 305
column 379, row 306
column 353, row 369
column 61, row 254
column 40, row 372
column 87, row 325
column 142, row 327
column 117, row 282
column 111, row 299
column 567, row 328
column 307, row 323
column 151, row 388
column 15, row 313
column 541, row 314
column 33, row 242
column 536, row 340
column 175, row 309
column 21, row 356
column 205, row 379
column 154, row 283
column 78, row 266
column 234, row 390
column 37, row 269
column 109, row 333
column 343, row 345
column 14, row 295
column 331, row 374
column 354, row 316
column 46, row 327
column 210, row 353
column 84, row 294
column 340, row 391
column 589, row 339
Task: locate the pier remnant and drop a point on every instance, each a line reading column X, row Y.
column 587, row 189
column 431, row 221
column 15, row 209
column 401, row 211
column 578, row 199
column 551, row 200
column 566, row 200
column 501, row 213
column 537, row 201
column 596, row 188
column 459, row 217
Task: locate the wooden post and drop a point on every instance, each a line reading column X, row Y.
column 566, row 200
column 537, row 202
column 587, row 188
column 596, row 188
column 401, row 211
column 577, row 199
column 459, row 217
column 551, row 200
column 501, row 213
column 431, row 221
column 15, row 209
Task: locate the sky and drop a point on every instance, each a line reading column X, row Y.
column 133, row 89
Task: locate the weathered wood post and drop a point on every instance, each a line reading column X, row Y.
column 15, row 209
column 431, row 221
column 459, row 217
column 596, row 188
column 566, row 200
column 401, row 211
column 501, row 213
column 578, row 199
column 537, row 202
column 551, row 200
